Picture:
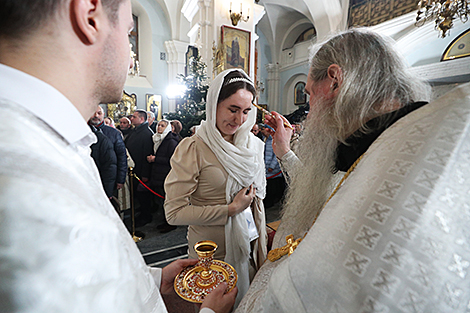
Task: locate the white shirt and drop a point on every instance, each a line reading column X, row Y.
column 62, row 246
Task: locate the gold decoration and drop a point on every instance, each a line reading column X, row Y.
column 444, row 12
column 278, row 253
column 217, row 59
column 459, row 48
column 195, row 282
column 289, row 248
column 373, row 12
column 236, row 17
column 125, row 107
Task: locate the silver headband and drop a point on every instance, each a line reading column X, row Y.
column 239, row 79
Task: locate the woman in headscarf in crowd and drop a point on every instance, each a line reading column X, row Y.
column 165, row 143
column 217, row 182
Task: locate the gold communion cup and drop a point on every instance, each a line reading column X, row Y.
column 195, row 282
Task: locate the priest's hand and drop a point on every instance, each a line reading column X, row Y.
column 220, row 302
column 242, row 200
column 281, row 135
column 169, row 273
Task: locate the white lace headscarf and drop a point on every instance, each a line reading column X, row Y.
column 244, row 162
column 158, row 138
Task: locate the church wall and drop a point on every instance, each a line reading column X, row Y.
column 288, row 79
column 423, row 48
column 264, row 58
column 154, row 30
column 431, row 51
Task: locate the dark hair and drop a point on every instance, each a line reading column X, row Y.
column 177, row 125
column 229, row 89
column 142, row 114
column 19, row 18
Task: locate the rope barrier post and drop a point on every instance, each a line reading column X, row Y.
column 131, row 176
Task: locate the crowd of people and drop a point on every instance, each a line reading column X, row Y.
column 375, row 214
column 134, row 140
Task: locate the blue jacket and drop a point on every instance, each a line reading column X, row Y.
column 115, row 137
column 270, row 160
column 105, row 159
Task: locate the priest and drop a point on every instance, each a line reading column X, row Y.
column 377, row 211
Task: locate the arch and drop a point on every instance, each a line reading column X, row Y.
column 294, row 31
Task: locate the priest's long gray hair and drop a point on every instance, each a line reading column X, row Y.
column 374, row 77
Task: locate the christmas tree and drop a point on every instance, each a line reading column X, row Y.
column 192, row 108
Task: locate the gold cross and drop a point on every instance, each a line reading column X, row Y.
column 289, row 248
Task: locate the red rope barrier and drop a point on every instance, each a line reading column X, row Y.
column 140, row 181
column 274, row 175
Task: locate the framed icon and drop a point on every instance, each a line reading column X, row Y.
column 236, row 45
column 154, row 104
column 299, row 93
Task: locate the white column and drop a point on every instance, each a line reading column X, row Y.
column 176, row 51
column 205, row 42
column 272, row 87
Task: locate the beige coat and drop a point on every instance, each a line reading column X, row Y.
column 195, row 196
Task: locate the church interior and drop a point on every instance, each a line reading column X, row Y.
column 273, row 38
column 373, row 197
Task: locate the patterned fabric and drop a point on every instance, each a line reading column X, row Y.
column 395, row 238
column 63, row 248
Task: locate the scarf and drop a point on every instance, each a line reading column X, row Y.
column 158, row 138
column 244, row 162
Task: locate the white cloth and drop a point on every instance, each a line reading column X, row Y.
column 158, row 138
column 395, row 237
column 244, row 162
column 63, row 248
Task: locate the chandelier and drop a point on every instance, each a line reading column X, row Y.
column 444, row 12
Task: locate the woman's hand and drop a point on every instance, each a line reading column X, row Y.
column 241, row 201
column 151, row 158
column 281, row 135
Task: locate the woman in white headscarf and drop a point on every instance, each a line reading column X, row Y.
column 217, row 181
column 165, row 142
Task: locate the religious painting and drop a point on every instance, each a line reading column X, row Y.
column 191, row 53
column 217, row 60
column 236, row 45
column 260, row 114
column 125, row 107
column 154, row 104
column 458, row 48
column 299, row 93
column 134, row 38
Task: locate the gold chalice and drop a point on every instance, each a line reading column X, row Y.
column 195, row 282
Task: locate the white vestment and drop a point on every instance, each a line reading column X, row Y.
column 63, row 248
column 396, row 236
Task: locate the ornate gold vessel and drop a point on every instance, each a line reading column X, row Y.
column 195, row 282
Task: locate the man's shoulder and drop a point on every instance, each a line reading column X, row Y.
column 111, row 131
column 23, row 130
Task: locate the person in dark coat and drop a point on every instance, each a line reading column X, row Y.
column 151, row 121
column 139, row 143
column 105, row 159
column 115, row 137
column 165, row 142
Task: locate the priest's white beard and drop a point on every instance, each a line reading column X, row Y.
column 312, row 181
